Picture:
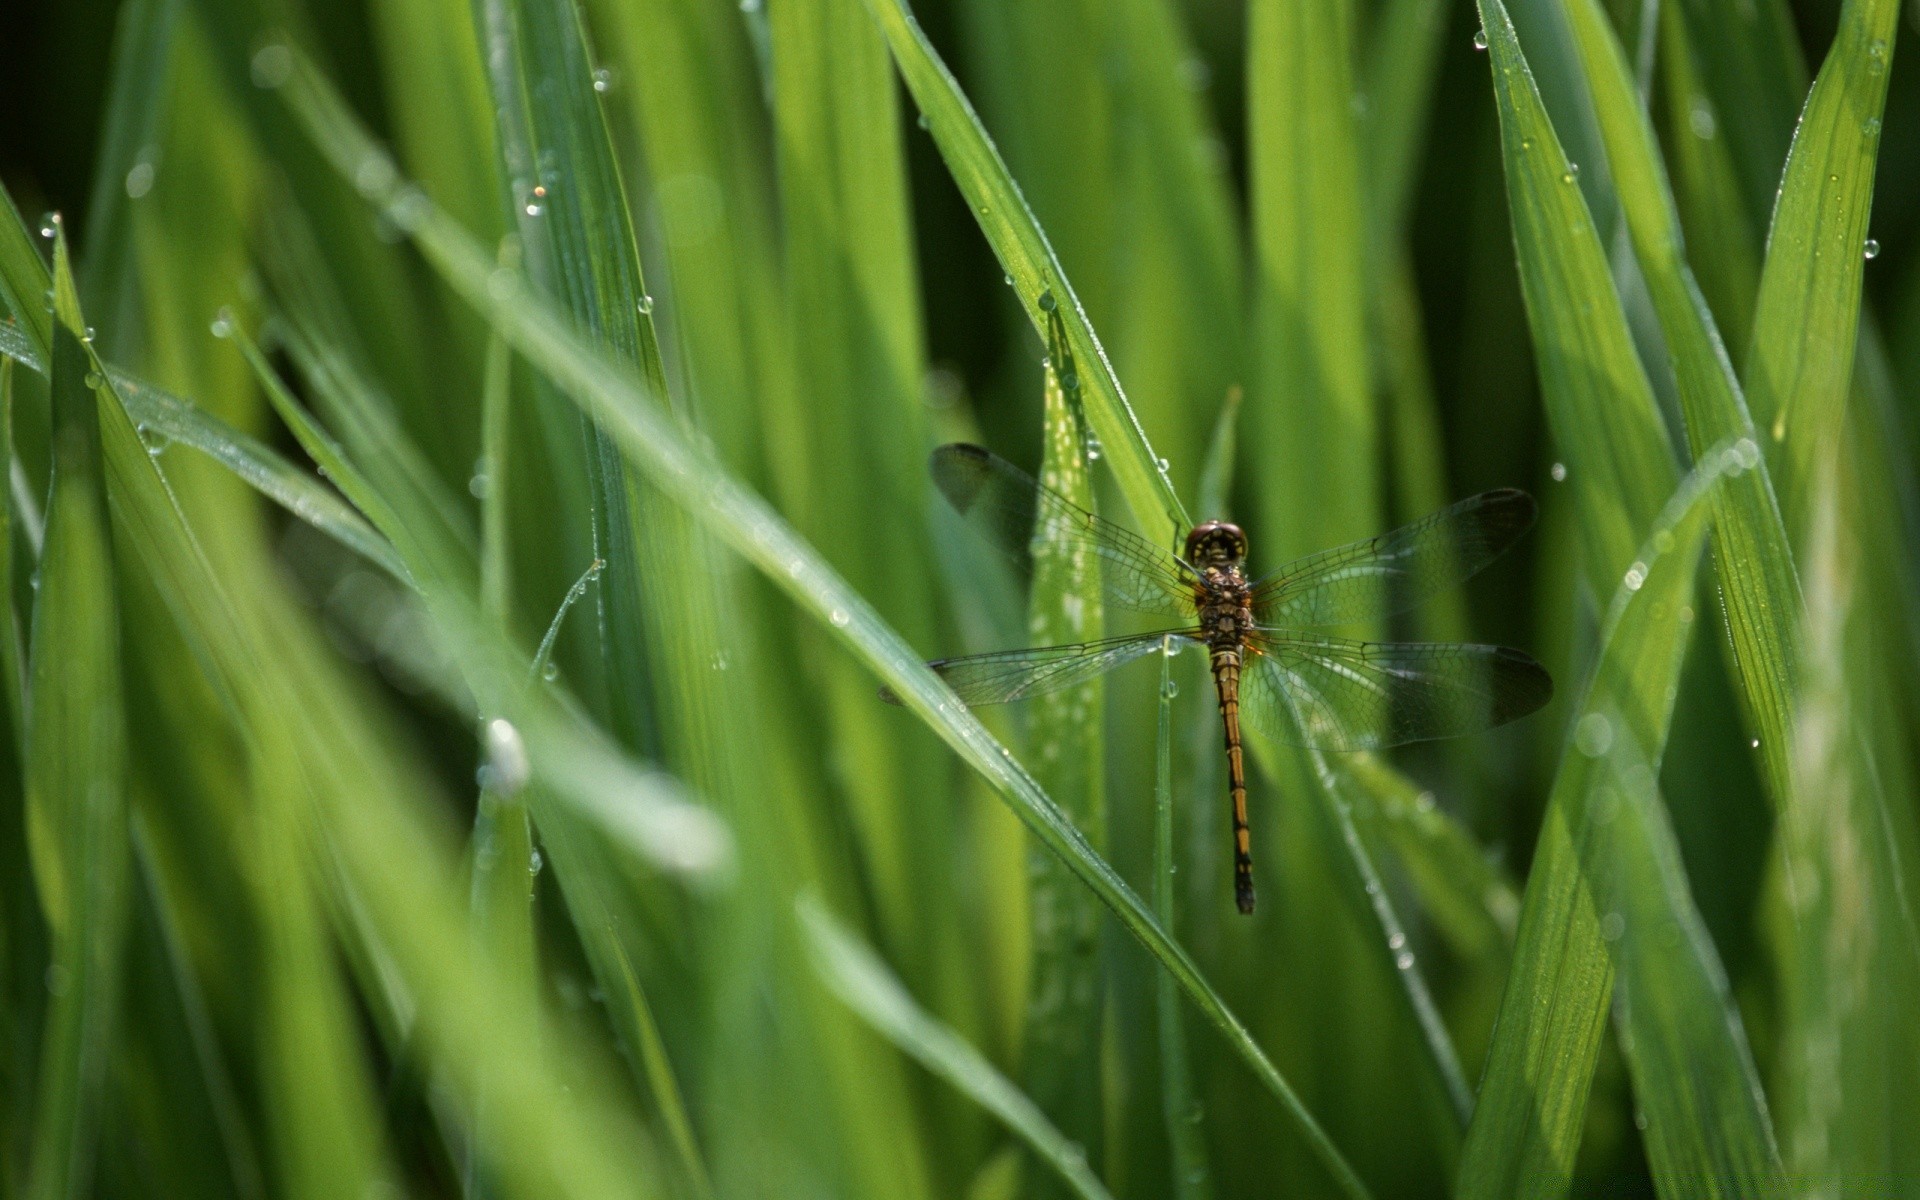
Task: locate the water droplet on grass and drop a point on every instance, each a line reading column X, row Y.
column 1593, row 736
column 1872, row 248
column 603, row 80
column 1559, row 472
column 1479, row 39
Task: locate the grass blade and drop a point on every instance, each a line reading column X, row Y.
column 1807, row 319
column 865, row 985
column 1527, row 1126
column 1760, row 586
column 1038, row 278
column 1065, row 738
column 744, row 522
column 76, row 770
column 1178, row 1104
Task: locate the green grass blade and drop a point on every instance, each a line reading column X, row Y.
column 1179, row 1105
column 1527, row 1126
column 164, row 419
column 743, row 521
column 865, row 985
column 1760, row 586
column 1038, row 278
column 76, row 770
column 1065, row 739
column 21, row 271
column 1310, row 405
column 1599, row 404
column 1800, row 366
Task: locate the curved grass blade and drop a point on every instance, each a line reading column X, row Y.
column 1599, row 403
column 1592, row 874
column 76, row 770
column 866, row 986
column 1805, row 327
column 167, row 417
column 1038, row 278
column 745, row 522
column 1760, row 586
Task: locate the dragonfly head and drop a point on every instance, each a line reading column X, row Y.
column 1216, row 544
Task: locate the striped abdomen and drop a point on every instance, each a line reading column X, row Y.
column 1226, row 679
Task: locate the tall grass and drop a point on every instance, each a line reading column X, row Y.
column 467, row 486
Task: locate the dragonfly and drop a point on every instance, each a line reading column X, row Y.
column 1274, row 665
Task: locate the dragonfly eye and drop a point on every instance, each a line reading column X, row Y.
column 1214, row 541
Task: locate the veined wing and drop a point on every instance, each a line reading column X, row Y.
column 1398, row 569
column 1013, row 511
column 1337, row 694
column 1017, row 674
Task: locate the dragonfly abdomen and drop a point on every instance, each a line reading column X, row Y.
column 1226, row 679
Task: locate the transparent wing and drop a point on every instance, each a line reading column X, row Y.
column 1336, row 694
column 1397, row 570
column 1017, row 674
column 1011, row 509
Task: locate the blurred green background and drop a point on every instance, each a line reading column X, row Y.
column 449, row 593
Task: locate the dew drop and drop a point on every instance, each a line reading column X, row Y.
column 49, row 225
column 272, row 65
column 645, row 306
column 603, row 80
column 1871, row 127
column 533, row 210
column 1754, row 744
column 719, row 662
column 139, row 180
column 1008, row 278
column 550, row 672
column 506, row 768
column 93, row 379
column 1479, row 39
column 1593, row 736
column 1702, row 121
column 478, row 485
column 922, row 121
column 1612, row 926
column 1169, row 689
column 1559, row 472
column 1404, row 961
column 1397, row 940
column 535, row 861
column 1162, row 464
column 1070, row 381
column 222, row 326
column 1872, row 248
column 1047, row 302
column 839, row 618
column 1636, row 576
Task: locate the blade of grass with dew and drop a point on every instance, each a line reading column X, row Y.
column 1024, row 252
column 661, row 583
column 1599, row 404
column 1760, row 587
column 745, row 523
column 163, row 415
column 555, row 1147
column 1066, row 993
column 1179, row 1105
column 1799, row 374
column 865, row 985
column 1695, row 1085
column 76, row 747
column 1528, row 1124
column 1807, row 318
column 1601, row 410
